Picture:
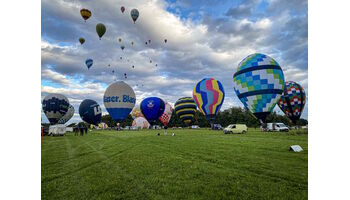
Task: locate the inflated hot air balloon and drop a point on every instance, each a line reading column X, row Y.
column 55, row 106
column 165, row 40
column 132, row 43
column 119, row 99
column 122, row 9
column 141, row 123
column 134, row 14
column 152, row 108
column 85, row 13
column 209, row 95
column 89, row 63
column 81, row 40
column 292, row 101
column 69, row 114
column 119, row 40
column 185, row 109
column 122, row 47
column 100, row 29
column 149, row 41
column 259, row 83
column 90, row 112
column 165, row 117
column 136, row 112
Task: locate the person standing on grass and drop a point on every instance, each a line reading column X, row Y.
column 165, row 130
column 86, row 130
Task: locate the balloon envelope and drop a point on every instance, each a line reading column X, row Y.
column 55, row 106
column 165, row 117
column 122, row 9
column 85, row 13
column 134, row 14
column 100, row 29
column 69, row 114
column 140, row 122
column 292, row 101
column 119, row 99
column 209, row 96
column 259, row 83
column 90, row 111
column 185, row 109
column 89, row 63
column 152, row 108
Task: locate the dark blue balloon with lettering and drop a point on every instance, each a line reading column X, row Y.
column 152, row 108
column 90, row 111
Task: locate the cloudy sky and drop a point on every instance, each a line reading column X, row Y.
column 205, row 39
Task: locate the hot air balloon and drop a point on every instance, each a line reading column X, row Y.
column 146, row 43
column 122, row 47
column 100, row 29
column 209, row 95
column 132, row 43
column 119, row 99
column 185, row 109
column 133, row 66
column 55, row 106
column 152, row 108
column 85, row 13
column 69, row 114
column 292, row 101
column 165, row 117
column 125, row 76
column 134, row 14
column 90, row 112
column 259, row 83
column 119, row 40
column 136, row 112
column 140, row 123
column 122, row 9
column 149, row 41
column 89, row 63
column 81, row 40
column 165, row 40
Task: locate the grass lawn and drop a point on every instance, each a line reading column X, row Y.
column 195, row 164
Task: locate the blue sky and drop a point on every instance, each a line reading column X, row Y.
column 205, row 39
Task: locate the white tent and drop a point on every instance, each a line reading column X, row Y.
column 58, row 129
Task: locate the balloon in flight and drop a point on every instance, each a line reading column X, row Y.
column 292, row 101
column 122, row 9
column 69, row 114
column 259, row 84
column 122, row 47
column 119, row 99
column 89, row 62
column 55, row 106
column 81, row 40
column 100, row 30
column 85, row 13
column 134, row 14
column 209, row 96
column 90, row 112
column 185, row 109
column 152, row 108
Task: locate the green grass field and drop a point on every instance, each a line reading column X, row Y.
column 195, row 164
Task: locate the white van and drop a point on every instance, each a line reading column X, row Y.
column 277, row 127
column 58, row 129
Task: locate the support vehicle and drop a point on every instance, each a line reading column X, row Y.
column 236, row 128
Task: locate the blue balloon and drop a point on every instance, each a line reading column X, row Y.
column 90, row 111
column 89, row 63
column 152, row 108
column 55, row 106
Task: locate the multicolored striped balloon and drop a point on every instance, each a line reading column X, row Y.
column 292, row 101
column 259, row 83
column 209, row 96
column 185, row 109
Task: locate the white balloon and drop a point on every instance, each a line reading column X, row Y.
column 119, row 99
column 67, row 116
column 140, row 122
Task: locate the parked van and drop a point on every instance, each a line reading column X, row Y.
column 277, row 127
column 236, row 128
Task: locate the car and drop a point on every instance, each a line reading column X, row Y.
column 133, row 128
column 236, row 128
column 279, row 127
column 195, row 127
column 217, row 127
column 156, row 127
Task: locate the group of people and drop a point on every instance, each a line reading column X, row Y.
column 82, row 128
